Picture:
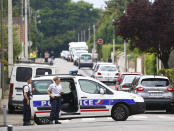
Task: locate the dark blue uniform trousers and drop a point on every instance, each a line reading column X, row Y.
column 26, row 112
column 55, row 109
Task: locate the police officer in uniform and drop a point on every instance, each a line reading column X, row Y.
column 55, row 91
column 26, row 102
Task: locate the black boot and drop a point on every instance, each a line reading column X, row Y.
column 57, row 122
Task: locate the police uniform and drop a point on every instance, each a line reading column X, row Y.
column 56, row 91
column 26, row 108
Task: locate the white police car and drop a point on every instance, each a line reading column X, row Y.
column 84, row 97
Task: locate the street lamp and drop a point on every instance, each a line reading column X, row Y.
column 114, row 32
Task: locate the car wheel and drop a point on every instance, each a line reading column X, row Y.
column 170, row 110
column 11, row 109
column 41, row 120
column 120, row 112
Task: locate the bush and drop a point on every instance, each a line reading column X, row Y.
column 150, row 64
column 168, row 73
column 107, row 49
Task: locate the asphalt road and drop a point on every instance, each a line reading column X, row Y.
column 150, row 121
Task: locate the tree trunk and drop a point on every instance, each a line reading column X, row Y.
column 164, row 57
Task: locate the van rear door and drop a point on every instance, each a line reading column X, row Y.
column 19, row 81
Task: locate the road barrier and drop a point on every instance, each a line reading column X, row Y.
column 10, row 128
column 5, row 115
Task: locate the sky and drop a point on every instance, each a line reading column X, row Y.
column 96, row 3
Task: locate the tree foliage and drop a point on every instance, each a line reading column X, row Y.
column 114, row 9
column 149, row 27
column 61, row 20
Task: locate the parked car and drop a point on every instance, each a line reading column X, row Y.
column 83, row 97
column 85, row 60
column 106, row 73
column 100, row 63
column 122, row 76
column 64, row 53
column 77, row 55
column 17, row 81
column 156, row 91
column 126, row 83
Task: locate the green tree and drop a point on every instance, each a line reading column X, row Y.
column 17, row 47
column 61, row 20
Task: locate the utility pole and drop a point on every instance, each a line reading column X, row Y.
column 125, row 56
column 84, row 36
column 22, row 27
column 81, row 36
column 26, row 30
column 93, row 51
column 29, row 22
column 78, row 37
column 10, row 38
column 2, row 47
column 114, row 31
column 89, row 32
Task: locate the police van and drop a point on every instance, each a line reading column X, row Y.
column 83, row 97
column 17, row 80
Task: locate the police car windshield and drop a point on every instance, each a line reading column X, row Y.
column 41, row 86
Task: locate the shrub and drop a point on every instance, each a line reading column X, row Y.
column 107, row 49
column 168, row 73
column 150, row 64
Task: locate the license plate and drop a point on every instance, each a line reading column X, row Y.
column 155, row 94
column 19, row 90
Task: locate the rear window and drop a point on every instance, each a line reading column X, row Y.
column 86, row 57
column 108, row 68
column 22, row 72
column 155, row 82
column 42, row 71
column 129, row 79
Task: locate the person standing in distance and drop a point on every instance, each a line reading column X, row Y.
column 26, row 101
column 55, row 91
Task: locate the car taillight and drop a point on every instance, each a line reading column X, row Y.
column 140, row 89
column 99, row 73
column 11, row 91
column 117, row 88
column 125, row 87
column 170, row 89
column 117, row 74
column 119, row 80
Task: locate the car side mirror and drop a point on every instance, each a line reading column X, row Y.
column 102, row 92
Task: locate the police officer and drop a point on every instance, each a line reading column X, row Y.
column 55, row 91
column 26, row 101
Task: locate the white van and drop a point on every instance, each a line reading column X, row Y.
column 17, row 81
column 85, row 60
column 83, row 97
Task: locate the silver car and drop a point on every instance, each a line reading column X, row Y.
column 156, row 91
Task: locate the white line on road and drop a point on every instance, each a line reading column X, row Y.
column 139, row 117
column 88, row 119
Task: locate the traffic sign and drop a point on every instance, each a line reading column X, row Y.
column 100, row 41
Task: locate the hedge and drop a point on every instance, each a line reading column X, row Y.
column 150, row 64
column 107, row 49
column 168, row 73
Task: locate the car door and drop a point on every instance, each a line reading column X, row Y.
column 92, row 102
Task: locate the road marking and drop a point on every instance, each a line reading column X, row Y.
column 65, row 121
column 109, row 118
column 165, row 117
column 88, row 119
column 139, row 117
